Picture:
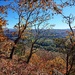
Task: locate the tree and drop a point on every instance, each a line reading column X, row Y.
column 29, row 12
column 70, row 53
column 67, row 46
column 37, row 32
column 3, row 23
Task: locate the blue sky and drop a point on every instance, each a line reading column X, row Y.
column 57, row 20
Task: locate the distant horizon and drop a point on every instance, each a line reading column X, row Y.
column 46, row 29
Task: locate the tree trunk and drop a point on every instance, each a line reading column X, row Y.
column 12, row 51
column 31, row 52
column 67, row 58
column 30, row 55
column 13, row 48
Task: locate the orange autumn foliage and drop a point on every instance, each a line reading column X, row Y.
column 47, row 66
column 36, row 65
column 2, row 23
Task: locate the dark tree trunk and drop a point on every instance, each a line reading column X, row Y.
column 67, row 58
column 13, row 48
column 12, row 51
column 30, row 55
column 31, row 52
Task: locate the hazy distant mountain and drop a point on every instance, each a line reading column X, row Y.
column 8, row 33
column 53, row 33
